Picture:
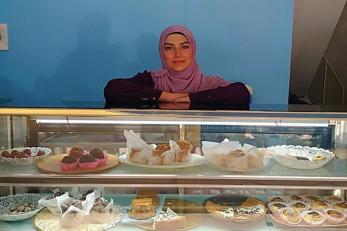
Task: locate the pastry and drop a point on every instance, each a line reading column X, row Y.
column 341, row 206
column 71, row 219
column 318, row 157
column 27, row 151
column 300, row 206
column 213, row 207
column 14, row 153
column 313, row 217
column 88, row 162
column 99, row 154
column 40, row 153
column 183, row 154
column 334, row 216
column 251, row 201
column 182, row 206
column 68, row 163
column 158, row 158
column 142, row 209
column 277, row 199
column 5, row 154
column 22, row 208
column 332, row 199
column 276, row 206
column 169, row 221
column 249, row 213
column 149, row 194
column 290, row 215
column 295, row 198
column 319, row 205
column 76, row 152
column 256, row 160
column 311, row 198
column 237, row 161
column 101, row 213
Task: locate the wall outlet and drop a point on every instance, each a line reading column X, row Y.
column 3, row 37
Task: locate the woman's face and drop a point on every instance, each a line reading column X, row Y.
column 177, row 52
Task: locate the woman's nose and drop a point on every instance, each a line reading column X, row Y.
column 177, row 52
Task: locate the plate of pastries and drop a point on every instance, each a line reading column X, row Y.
column 24, row 155
column 77, row 212
column 233, row 156
column 239, row 209
column 300, row 157
column 308, row 211
column 78, row 160
column 174, row 154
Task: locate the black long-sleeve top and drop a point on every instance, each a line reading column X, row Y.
column 140, row 89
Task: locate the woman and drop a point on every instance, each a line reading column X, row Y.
column 179, row 81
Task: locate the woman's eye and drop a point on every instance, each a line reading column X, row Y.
column 168, row 48
column 185, row 46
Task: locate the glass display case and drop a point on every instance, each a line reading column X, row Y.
column 219, row 170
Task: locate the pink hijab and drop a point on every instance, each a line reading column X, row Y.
column 190, row 80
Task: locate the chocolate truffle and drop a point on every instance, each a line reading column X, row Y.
column 97, row 153
column 87, row 159
column 68, row 160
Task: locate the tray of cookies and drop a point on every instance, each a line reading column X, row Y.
column 20, row 206
column 300, row 157
column 239, row 209
column 308, row 211
column 24, row 155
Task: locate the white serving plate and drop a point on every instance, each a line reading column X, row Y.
column 196, row 160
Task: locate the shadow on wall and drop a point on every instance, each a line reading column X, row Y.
column 82, row 74
column 6, row 93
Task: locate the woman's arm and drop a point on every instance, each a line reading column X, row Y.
column 136, row 89
column 235, row 93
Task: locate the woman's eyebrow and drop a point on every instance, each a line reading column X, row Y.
column 171, row 44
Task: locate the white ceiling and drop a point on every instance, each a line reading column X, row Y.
column 314, row 23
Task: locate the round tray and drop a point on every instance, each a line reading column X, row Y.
column 46, row 221
column 29, row 160
column 286, row 156
column 6, row 202
column 302, row 224
column 231, row 201
column 195, row 161
column 51, row 165
column 192, row 221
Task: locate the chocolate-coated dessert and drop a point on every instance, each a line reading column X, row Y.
column 97, row 153
column 27, row 151
column 76, row 152
column 40, row 153
column 14, row 153
column 87, row 159
column 5, row 154
column 68, row 160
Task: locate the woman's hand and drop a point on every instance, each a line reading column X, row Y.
column 174, row 106
column 174, row 97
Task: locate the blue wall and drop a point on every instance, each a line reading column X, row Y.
column 68, row 50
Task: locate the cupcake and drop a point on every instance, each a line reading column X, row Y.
column 88, row 162
column 334, row 216
column 40, row 153
column 184, row 153
column 14, row 153
column 5, row 154
column 300, row 206
column 76, row 152
column 332, row 199
column 311, row 198
column 290, row 215
column 99, row 155
column 68, row 163
column 277, row 199
column 319, row 205
column 276, row 206
column 295, row 198
column 341, row 206
column 100, row 212
column 313, row 217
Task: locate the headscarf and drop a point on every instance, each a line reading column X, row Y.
column 191, row 79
